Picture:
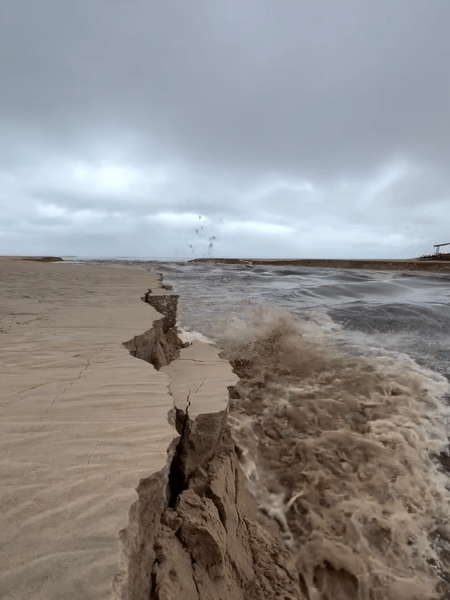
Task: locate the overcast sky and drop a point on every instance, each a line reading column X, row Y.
column 252, row 128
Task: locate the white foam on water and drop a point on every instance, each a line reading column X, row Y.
column 190, row 336
column 339, row 450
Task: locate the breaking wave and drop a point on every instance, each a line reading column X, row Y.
column 339, row 449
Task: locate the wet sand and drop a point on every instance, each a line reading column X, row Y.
column 82, row 421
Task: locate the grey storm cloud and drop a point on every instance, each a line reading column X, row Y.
column 300, row 128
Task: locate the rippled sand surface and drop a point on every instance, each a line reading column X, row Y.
column 81, row 421
column 340, row 417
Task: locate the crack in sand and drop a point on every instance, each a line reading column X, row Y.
column 88, row 460
column 188, row 398
column 194, row 517
column 88, row 364
column 67, row 387
column 34, row 387
column 191, row 360
column 203, row 381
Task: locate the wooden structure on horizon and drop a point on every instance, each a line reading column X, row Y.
column 437, row 246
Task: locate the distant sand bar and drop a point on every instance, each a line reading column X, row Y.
column 385, row 264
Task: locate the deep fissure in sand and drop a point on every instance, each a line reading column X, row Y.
column 189, row 548
column 193, row 531
column 177, row 479
column 159, row 346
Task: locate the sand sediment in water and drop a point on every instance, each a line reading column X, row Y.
column 341, row 451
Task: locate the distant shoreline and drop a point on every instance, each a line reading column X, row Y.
column 369, row 263
column 398, row 264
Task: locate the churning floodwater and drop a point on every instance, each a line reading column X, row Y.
column 341, row 416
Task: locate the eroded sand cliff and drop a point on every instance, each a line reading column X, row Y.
column 193, row 532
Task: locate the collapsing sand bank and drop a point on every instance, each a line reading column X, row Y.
column 83, row 420
column 193, row 532
column 326, row 446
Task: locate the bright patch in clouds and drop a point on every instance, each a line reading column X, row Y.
column 386, row 179
column 256, row 227
column 108, row 178
column 175, row 218
column 280, row 186
column 95, row 178
column 50, row 210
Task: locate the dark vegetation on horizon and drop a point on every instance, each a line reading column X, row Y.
column 435, row 257
column 43, row 258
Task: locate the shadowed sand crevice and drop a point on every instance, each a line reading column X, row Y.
column 207, row 543
column 160, row 344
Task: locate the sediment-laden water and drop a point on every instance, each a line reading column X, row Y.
column 341, row 417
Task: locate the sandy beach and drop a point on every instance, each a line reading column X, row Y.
column 138, row 464
column 82, row 421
